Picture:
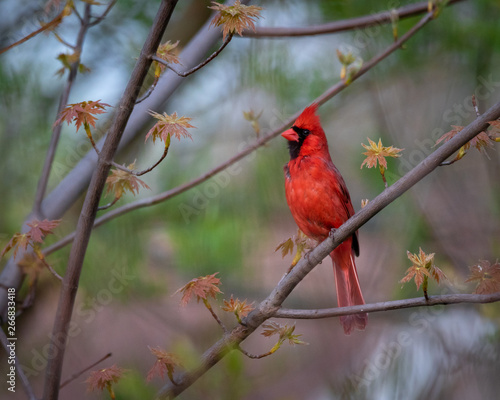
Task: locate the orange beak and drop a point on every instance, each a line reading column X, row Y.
column 290, row 135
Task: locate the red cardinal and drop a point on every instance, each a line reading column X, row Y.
column 319, row 201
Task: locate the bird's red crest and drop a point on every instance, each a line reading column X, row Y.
column 308, row 119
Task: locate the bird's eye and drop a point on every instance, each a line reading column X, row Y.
column 303, row 133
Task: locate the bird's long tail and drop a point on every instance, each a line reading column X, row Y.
column 348, row 289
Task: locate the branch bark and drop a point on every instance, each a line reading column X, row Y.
column 270, row 307
column 89, row 209
column 380, row 18
column 388, row 306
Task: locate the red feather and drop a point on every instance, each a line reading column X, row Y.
column 319, row 201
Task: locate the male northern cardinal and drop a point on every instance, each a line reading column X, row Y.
column 319, row 201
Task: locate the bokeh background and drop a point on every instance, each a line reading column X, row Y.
column 134, row 264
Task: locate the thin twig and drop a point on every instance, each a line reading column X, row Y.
column 253, row 356
column 52, row 271
column 24, row 379
column 216, row 317
column 60, row 39
column 149, row 91
column 104, row 14
column 384, row 17
column 145, row 171
column 199, row 66
column 77, row 13
column 109, row 204
column 77, row 374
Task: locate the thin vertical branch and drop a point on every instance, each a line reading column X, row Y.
column 90, row 205
column 56, row 130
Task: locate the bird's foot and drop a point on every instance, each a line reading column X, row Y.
column 331, row 234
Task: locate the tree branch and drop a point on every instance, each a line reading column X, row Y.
column 90, row 205
column 159, row 198
column 271, row 306
column 387, row 306
column 380, row 18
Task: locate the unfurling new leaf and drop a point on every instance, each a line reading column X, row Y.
column 254, row 120
column 39, row 229
column 351, row 64
column 285, row 332
column 167, row 52
column 238, row 307
column 104, row 379
column 202, row 288
column 121, row 181
column 377, row 153
column 235, row 18
column 301, row 241
column 423, row 267
column 169, row 125
column 82, row 113
column 165, row 364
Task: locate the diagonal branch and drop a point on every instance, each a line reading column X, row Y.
column 90, row 205
column 384, row 17
column 159, row 198
column 271, row 305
